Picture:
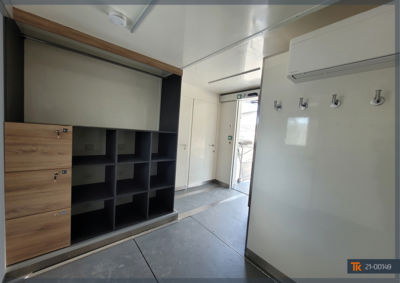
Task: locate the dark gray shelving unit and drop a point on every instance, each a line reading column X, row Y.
column 121, row 177
column 130, row 187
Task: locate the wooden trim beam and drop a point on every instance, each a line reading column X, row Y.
column 56, row 28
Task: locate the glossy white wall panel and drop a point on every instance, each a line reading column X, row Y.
column 63, row 87
column 316, row 205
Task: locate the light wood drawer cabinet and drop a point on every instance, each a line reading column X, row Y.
column 34, row 235
column 38, row 161
column 34, row 192
column 35, row 146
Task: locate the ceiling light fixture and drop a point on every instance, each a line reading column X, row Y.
column 117, row 18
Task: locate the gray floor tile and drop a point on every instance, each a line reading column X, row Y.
column 228, row 221
column 191, row 202
column 123, row 261
column 187, row 250
column 243, row 187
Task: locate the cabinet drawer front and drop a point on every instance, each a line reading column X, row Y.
column 36, row 147
column 30, row 236
column 34, row 192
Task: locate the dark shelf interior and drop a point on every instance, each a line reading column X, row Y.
column 162, row 175
column 131, row 158
column 93, row 183
column 131, row 210
column 92, row 222
column 92, row 160
column 91, row 192
column 130, row 187
column 158, row 182
column 132, row 178
column 161, row 202
column 164, row 146
column 133, row 146
column 159, row 157
column 93, row 146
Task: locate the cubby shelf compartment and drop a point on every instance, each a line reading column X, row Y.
column 91, row 221
column 132, row 178
column 133, row 146
column 91, row 192
column 130, row 210
column 161, row 202
column 162, row 175
column 164, row 146
column 93, row 183
column 93, row 146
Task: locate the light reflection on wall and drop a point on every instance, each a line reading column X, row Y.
column 296, row 131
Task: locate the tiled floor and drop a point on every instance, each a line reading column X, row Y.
column 205, row 246
column 243, row 187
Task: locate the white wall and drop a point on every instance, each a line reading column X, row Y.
column 200, row 95
column 62, row 87
column 2, row 211
column 324, row 178
column 227, row 127
column 195, row 92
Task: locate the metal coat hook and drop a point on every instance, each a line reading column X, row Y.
column 303, row 105
column 277, row 106
column 335, row 101
column 378, row 98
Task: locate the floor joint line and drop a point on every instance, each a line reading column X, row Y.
column 229, row 246
column 151, row 270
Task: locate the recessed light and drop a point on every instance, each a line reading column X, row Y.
column 117, row 18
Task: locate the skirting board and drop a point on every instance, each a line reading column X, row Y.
column 181, row 188
column 38, row 263
column 267, row 268
column 222, row 184
column 213, row 181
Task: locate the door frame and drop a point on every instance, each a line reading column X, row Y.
column 235, row 138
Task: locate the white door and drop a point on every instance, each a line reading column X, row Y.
column 226, row 145
column 203, row 149
column 185, row 127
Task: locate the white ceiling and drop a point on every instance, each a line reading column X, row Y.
column 208, row 41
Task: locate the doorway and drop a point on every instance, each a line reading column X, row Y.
column 244, row 145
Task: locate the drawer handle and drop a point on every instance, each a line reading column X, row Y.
column 62, row 212
column 58, row 133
